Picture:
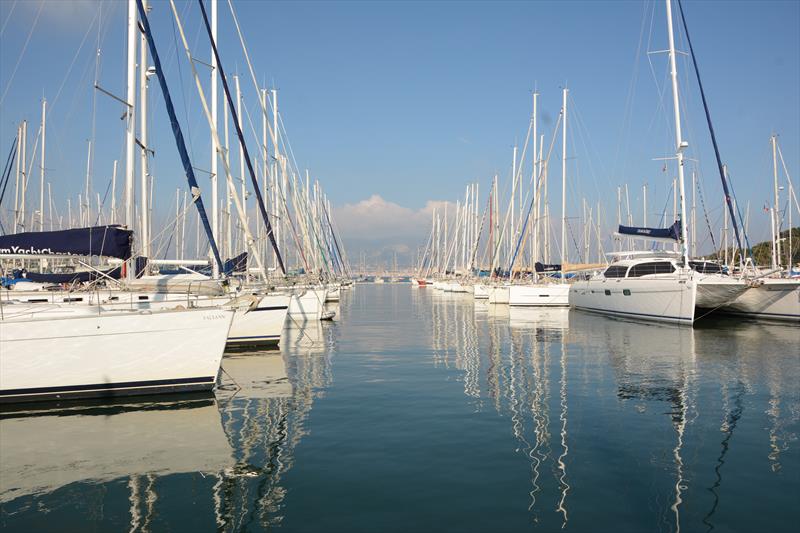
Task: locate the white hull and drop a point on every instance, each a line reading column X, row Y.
column 498, row 294
column 260, row 325
column 662, row 300
column 333, row 295
column 258, row 320
column 715, row 290
column 480, row 292
column 539, row 295
column 54, row 353
column 308, row 305
column 775, row 299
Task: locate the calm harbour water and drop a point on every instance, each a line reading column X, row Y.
column 418, row 410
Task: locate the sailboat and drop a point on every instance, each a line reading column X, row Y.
column 541, row 293
column 660, row 286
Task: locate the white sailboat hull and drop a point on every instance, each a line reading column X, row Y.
column 539, row 295
column 258, row 319
column 774, row 299
column 498, row 294
column 716, row 290
column 79, row 352
column 662, row 300
column 308, row 305
column 260, row 325
column 480, row 292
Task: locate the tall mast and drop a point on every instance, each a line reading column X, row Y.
column 16, row 177
column 144, row 230
column 241, row 155
column 214, row 146
column 694, row 214
column 776, row 259
column 41, row 173
column 564, row 179
column 130, row 97
column 274, row 177
column 680, row 144
column 534, row 252
column 513, row 194
column 24, row 173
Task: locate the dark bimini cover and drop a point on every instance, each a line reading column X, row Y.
column 236, row 264
column 541, row 267
column 671, row 233
column 108, row 241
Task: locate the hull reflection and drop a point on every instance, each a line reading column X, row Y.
column 45, row 450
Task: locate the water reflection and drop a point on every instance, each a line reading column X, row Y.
column 649, row 399
column 70, row 465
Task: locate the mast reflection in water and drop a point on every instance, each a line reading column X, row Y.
column 445, row 414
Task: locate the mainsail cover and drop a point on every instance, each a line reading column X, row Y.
column 107, row 241
column 671, row 234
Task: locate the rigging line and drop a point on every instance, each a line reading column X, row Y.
column 711, row 131
column 176, row 131
column 180, row 77
column 224, row 155
column 22, row 53
column 12, row 154
column 252, row 72
column 627, row 116
column 235, row 118
column 72, row 63
column 5, row 23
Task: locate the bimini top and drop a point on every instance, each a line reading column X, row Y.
column 670, row 234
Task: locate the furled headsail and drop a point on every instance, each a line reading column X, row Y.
column 670, row 234
column 107, row 241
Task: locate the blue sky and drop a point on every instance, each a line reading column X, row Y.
column 411, row 100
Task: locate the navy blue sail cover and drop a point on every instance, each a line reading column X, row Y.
column 542, row 267
column 108, row 241
column 236, row 264
column 673, row 232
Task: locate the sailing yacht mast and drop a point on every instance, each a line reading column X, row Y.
column 564, row 181
column 680, row 144
column 41, row 174
column 130, row 122
column 214, row 146
column 776, row 221
column 144, row 233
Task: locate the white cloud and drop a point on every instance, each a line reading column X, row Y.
column 379, row 219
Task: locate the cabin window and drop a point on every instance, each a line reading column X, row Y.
column 626, row 292
column 114, row 298
column 645, row 269
column 608, row 292
column 706, row 267
column 73, row 299
column 143, row 297
column 615, row 271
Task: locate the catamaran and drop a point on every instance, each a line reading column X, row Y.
column 658, row 285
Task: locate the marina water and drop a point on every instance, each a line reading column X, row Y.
column 418, row 410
